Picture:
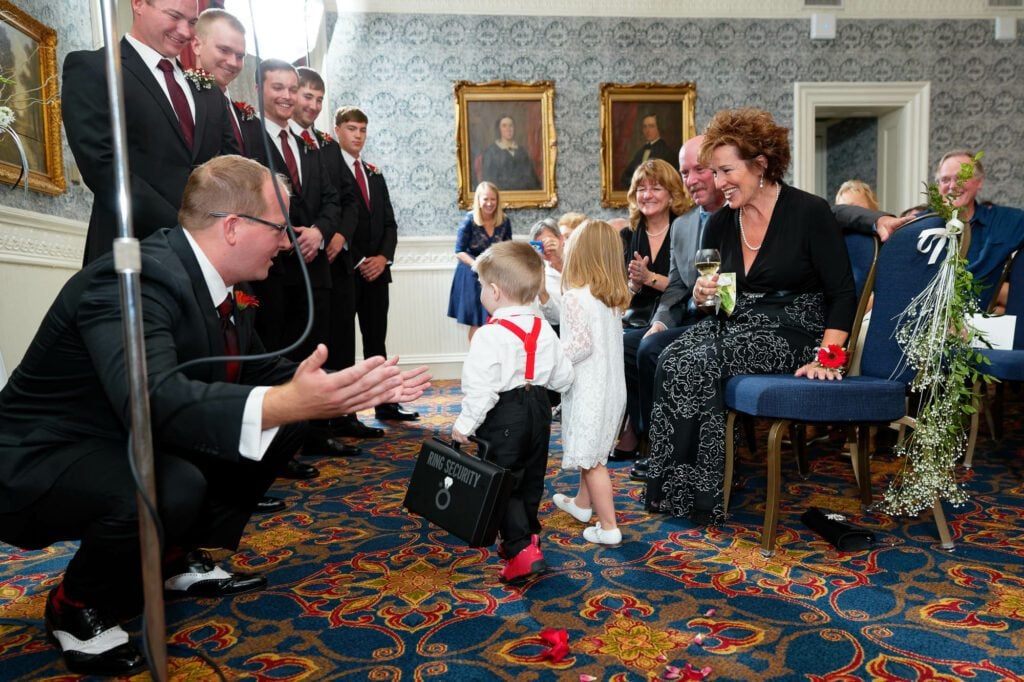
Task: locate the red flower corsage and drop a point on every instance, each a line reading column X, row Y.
column 244, row 300
column 247, row 111
column 832, row 356
column 324, row 137
column 371, row 168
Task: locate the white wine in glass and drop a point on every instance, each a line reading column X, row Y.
column 707, row 262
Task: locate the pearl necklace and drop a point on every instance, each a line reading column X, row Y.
column 657, row 234
column 743, row 235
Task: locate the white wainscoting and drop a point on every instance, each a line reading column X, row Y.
column 38, row 253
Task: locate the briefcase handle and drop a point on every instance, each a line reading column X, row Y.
column 483, row 448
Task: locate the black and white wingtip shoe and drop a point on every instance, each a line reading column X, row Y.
column 200, row 577
column 90, row 642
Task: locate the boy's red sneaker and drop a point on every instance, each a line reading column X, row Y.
column 523, row 566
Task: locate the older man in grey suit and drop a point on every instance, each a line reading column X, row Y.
column 675, row 313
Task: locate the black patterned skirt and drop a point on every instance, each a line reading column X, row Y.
column 766, row 334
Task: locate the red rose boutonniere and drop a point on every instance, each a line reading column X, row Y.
column 832, row 357
column 200, row 78
column 324, row 138
column 244, row 300
column 245, row 110
column 371, row 169
column 307, row 141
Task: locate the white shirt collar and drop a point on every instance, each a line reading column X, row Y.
column 150, row 56
column 513, row 310
column 349, row 159
column 273, row 129
column 214, row 282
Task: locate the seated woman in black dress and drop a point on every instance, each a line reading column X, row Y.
column 795, row 293
column 656, row 197
column 506, row 163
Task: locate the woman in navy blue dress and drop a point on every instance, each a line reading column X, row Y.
column 486, row 224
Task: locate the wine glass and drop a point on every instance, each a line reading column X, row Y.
column 707, row 262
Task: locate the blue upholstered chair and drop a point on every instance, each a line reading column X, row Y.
column 876, row 397
column 1006, row 365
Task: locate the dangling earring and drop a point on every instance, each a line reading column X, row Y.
column 760, row 182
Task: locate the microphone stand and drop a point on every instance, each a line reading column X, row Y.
column 128, row 265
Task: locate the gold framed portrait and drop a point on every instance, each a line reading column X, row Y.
column 505, row 134
column 641, row 121
column 28, row 62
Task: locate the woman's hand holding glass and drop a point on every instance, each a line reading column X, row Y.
column 705, row 289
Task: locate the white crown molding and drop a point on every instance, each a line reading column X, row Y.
column 726, row 9
column 33, row 238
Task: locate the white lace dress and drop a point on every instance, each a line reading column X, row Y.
column 593, row 406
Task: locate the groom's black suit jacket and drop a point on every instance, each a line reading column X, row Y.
column 69, row 395
column 159, row 160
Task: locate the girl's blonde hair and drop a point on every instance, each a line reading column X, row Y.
column 499, row 213
column 661, row 172
column 594, row 257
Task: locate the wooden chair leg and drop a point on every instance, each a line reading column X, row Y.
column 862, row 463
column 771, row 506
column 730, row 451
column 940, row 523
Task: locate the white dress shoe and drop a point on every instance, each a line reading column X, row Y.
column 600, row 536
column 568, row 505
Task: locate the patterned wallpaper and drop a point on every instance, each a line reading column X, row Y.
column 400, row 69
column 852, row 153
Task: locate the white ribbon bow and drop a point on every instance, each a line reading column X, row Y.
column 936, row 238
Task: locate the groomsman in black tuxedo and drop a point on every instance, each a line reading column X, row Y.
column 373, row 246
column 653, row 148
column 315, row 214
column 220, row 430
column 219, row 47
column 175, row 120
column 341, row 338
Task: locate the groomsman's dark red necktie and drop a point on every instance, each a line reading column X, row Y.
column 227, row 327
column 289, row 160
column 178, row 101
column 361, row 181
column 234, row 126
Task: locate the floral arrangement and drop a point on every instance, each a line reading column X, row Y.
column 371, row 169
column 7, row 118
column 246, row 110
column 935, row 335
column 323, row 137
column 244, row 300
column 200, row 78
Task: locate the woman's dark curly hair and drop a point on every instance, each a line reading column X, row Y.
column 753, row 132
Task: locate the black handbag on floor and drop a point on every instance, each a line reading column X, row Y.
column 836, row 529
column 463, row 494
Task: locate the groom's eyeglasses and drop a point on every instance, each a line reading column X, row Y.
column 223, row 214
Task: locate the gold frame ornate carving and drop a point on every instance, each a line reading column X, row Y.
column 38, row 108
column 658, row 95
column 477, row 105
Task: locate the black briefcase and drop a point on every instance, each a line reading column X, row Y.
column 463, row 494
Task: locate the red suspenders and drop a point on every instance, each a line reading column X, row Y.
column 529, row 341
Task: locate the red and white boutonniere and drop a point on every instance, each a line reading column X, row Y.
column 371, row 169
column 307, row 142
column 245, row 110
column 200, row 78
column 323, row 137
column 244, row 300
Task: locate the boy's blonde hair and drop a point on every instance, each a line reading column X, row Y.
column 514, row 267
column 499, row 213
column 594, row 257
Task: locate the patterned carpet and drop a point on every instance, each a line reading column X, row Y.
column 360, row 590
